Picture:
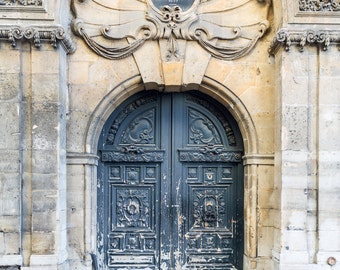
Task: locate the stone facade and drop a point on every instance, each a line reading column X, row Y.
column 273, row 65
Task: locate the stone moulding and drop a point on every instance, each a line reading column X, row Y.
column 135, row 22
column 38, row 35
column 286, row 38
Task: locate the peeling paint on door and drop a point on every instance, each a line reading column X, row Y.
column 174, row 210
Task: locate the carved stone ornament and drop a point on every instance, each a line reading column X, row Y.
column 319, row 5
column 38, row 35
column 116, row 29
column 21, row 2
column 287, row 38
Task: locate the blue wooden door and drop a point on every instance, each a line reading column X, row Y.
column 170, row 185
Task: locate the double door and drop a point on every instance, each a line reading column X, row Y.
column 170, row 185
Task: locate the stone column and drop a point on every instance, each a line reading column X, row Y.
column 294, row 148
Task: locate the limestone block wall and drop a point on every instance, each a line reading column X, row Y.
column 307, row 173
column 10, row 167
column 33, row 101
column 33, row 205
column 306, row 148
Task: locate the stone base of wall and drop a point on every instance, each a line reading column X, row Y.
column 7, row 260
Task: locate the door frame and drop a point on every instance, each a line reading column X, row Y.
column 251, row 160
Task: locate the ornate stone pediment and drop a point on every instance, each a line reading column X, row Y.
column 225, row 29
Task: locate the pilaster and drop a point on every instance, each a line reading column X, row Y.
column 35, row 46
column 305, row 47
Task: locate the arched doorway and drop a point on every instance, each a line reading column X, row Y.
column 170, row 185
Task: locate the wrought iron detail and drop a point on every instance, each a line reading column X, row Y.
column 228, row 40
column 38, row 35
column 133, row 154
column 209, row 154
column 301, row 39
column 124, row 113
column 226, row 126
column 319, row 5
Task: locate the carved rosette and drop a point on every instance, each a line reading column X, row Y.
column 38, row 35
column 227, row 39
column 301, row 39
column 133, row 208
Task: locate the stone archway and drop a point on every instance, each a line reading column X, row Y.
column 251, row 158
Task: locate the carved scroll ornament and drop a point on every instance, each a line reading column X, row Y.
column 301, row 39
column 38, row 35
column 226, row 29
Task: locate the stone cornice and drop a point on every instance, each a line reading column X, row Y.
column 286, row 38
column 38, row 35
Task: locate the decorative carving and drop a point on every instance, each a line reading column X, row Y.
column 287, row 38
column 149, row 243
column 319, row 5
column 201, row 129
column 227, row 128
column 124, row 113
column 133, row 176
column 226, row 39
column 141, row 129
column 132, row 210
column 133, row 154
column 21, row 2
column 209, row 241
column 38, row 35
column 209, row 154
column 208, row 208
column 133, row 242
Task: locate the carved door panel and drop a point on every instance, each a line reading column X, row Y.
column 170, row 185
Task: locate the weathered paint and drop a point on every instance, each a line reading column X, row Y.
column 174, row 212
